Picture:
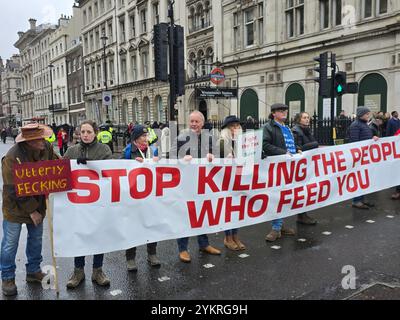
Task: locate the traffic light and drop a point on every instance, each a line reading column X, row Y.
column 179, row 60
column 340, row 83
column 323, row 74
column 161, row 51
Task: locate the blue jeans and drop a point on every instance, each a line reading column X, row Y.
column 231, row 232
column 358, row 199
column 201, row 239
column 9, row 247
column 277, row 224
column 97, row 261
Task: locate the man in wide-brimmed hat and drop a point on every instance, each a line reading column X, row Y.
column 30, row 146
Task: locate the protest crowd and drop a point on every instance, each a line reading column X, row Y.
column 38, row 142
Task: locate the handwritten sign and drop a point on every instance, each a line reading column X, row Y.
column 42, row 178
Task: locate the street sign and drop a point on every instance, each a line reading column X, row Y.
column 107, row 98
column 215, row 93
column 217, row 76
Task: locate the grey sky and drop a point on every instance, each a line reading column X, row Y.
column 14, row 15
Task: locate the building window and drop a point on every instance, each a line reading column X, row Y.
column 132, row 25
column 74, row 65
column 87, row 77
column 123, row 69
column 367, row 8
column 99, row 73
column 145, row 64
column 383, row 6
column 249, row 27
column 337, row 10
column 79, row 62
column 110, row 32
column 143, row 20
column 122, row 29
column 294, row 18
column 324, row 9
column 102, row 6
column 236, row 31
column 260, row 22
column 84, row 17
column 156, row 14
column 91, row 43
column 134, row 67
column 93, row 77
column 96, row 9
column 112, row 72
column 97, row 40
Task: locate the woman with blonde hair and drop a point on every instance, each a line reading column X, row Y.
column 231, row 129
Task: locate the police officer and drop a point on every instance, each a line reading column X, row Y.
column 105, row 137
column 152, row 134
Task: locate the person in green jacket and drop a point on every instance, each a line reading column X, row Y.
column 88, row 149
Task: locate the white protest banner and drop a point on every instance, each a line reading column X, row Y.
column 118, row 204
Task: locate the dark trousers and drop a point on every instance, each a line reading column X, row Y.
column 97, row 261
column 131, row 253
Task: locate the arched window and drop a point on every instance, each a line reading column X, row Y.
column 192, row 19
column 201, row 62
column 124, row 112
column 193, row 65
column 146, row 110
column 160, row 109
column 135, row 111
column 210, row 59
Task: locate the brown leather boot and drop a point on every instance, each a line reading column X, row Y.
column 100, row 278
column 76, row 278
column 9, row 288
column 304, row 218
column 287, row 231
column 36, row 277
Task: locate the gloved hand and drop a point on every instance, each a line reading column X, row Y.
column 81, row 161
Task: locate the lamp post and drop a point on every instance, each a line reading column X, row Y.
column 51, row 84
column 104, row 38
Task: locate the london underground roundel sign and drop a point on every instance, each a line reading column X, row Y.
column 217, row 76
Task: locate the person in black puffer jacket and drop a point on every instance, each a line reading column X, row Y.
column 304, row 141
column 360, row 131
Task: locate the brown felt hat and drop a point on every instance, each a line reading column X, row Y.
column 34, row 131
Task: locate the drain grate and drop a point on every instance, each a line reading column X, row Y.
column 378, row 291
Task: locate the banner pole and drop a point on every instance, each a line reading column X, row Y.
column 50, row 220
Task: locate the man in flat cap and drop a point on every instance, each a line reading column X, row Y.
column 277, row 140
column 30, row 146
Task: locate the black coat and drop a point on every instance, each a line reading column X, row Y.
column 360, row 131
column 303, row 138
column 273, row 140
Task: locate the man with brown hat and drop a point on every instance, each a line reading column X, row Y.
column 30, row 146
